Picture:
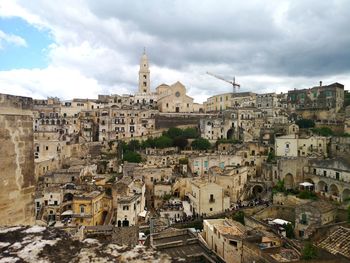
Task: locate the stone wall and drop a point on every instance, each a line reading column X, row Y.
column 277, row 211
column 168, row 121
column 17, row 177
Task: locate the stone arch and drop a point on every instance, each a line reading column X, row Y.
column 257, row 190
column 125, row 222
column 322, row 187
column 230, row 134
column 68, row 197
column 346, row 194
column 333, row 190
column 288, row 181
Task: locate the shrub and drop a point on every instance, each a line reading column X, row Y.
column 309, row 251
column 132, row 157
column 201, row 144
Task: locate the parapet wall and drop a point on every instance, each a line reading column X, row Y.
column 17, row 177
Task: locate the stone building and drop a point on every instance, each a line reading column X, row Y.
column 173, row 99
column 225, row 237
column 128, row 200
column 311, row 215
column 232, row 178
column 207, row 198
column 144, row 94
column 118, row 123
column 17, row 178
column 91, row 208
column 200, row 164
column 330, row 177
column 293, row 145
column 319, row 97
column 231, row 100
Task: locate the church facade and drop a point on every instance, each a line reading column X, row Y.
column 168, row 99
column 173, row 99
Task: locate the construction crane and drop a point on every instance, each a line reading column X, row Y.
column 233, row 83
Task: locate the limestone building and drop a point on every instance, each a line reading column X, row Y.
column 292, row 146
column 207, row 198
column 17, row 179
column 319, row 97
column 173, row 98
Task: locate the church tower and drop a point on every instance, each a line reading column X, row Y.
column 144, row 75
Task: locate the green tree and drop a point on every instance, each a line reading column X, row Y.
column 163, row 142
column 309, row 251
column 201, row 144
column 279, row 187
column 132, row 157
column 305, row 123
column 307, row 195
column 134, row 145
column 190, row 133
column 180, row 142
column 173, row 132
column 323, row 131
column 239, row 217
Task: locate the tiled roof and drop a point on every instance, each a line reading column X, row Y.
column 338, row 242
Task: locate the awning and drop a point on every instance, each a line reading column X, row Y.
column 306, row 184
column 67, row 213
column 143, row 213
column 280, row 221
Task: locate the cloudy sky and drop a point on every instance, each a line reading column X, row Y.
column 86, row 47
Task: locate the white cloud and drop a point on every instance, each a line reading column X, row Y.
column 12, row 39
column 268, row 46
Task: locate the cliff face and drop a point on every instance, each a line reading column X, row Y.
column 17, row 178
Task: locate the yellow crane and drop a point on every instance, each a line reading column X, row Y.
column 233, row 82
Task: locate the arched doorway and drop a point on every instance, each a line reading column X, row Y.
column 125, row 222
column 333, row 190
column 229, row 134
column 68, row 197
column 346, row 195
column 288, row 181
column 257, row 190
column 322, row 187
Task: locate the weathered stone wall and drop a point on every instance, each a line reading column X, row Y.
column 17, row 177
column 168, row 121
column 277, row 211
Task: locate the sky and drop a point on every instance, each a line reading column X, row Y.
column 79, row 49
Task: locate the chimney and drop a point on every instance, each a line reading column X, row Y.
column 320, row 83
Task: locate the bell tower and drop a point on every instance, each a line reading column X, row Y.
column 144, row 75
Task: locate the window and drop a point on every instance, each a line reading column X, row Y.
column 211, row 199
column 47, row 148
column 324, row 173
column 125, row 207
column 303, row 219
column 337, row 175
column 82, row 209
